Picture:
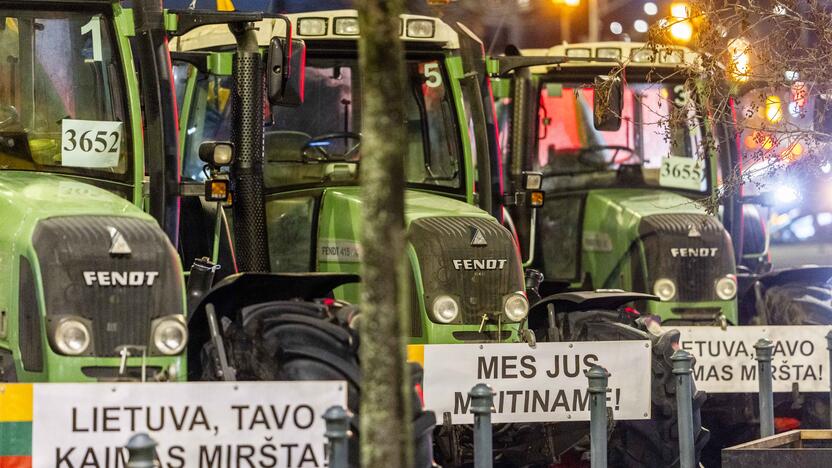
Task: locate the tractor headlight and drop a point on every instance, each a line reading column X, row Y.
column 445, row 309
column 170, row 334
column 516, row 306
column 665, row 289
column 726, row 287
column 71, row 337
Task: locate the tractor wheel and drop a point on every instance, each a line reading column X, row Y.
column 290, row 340
column 655, row 442
column 798, row 304
column 802, row 304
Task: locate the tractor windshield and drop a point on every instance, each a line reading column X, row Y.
column 319, row 142
column 61, row 101
column 657, row 144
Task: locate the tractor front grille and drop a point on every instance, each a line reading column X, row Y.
column 479, row 276
column 693, row 250
column 82, row 278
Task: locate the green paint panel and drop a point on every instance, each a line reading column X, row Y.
column 15, row 438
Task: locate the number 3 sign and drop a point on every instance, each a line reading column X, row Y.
column 90, row 143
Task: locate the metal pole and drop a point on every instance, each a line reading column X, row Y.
column 682, row 369
column 142, row 450
column 763, row 349
column 597, row 376
column 482, row 403
column 829, row 347
column 565, row 26
column 338, row 433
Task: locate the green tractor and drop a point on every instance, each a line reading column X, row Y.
column 92, row 288
column 622, row 187
column 631, row 182
column 467, row 284
column 458, row 253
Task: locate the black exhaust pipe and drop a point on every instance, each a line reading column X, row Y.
column 161, row 146
column 250, row 233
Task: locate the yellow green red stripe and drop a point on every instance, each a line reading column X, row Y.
column 15, row 402
column 15, row 425
column 15, row 462
column 15, row 438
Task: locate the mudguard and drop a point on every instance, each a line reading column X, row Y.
column 244, row 289
column 608, row 299
column 241, row 290
column 803, row 274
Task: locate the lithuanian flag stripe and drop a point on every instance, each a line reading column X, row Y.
column 15, row 425
column 15, row 462
column 416, row 353
column 15, row 402
column 15, row 438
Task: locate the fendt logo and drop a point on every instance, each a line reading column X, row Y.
column 694, row 252
column 118, row 244
column 477, row 239
column 471, row 264
column 120, row 278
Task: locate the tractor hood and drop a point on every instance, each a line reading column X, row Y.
column 625, row 208
column 664, row 235
column 84, row 254
column 42, row 195
column 456, row 249
column 418, row 204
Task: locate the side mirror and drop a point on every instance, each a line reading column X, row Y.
column 607, row 103
column 286, row 72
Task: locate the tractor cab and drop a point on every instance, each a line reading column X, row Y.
column 627, row 159
column 467, row 282
column 67, row 111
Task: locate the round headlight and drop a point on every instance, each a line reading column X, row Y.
column 516, row 307
column 665, row 289
column 72, row 337
column 445, row 309
column 726, row 287
column 170, row 336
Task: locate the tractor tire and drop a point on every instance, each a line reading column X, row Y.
column 295, row 341
column 655, row 442
column 799, row 304
column 802, row 304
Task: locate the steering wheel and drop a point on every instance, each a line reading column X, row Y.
column 8, row 116
column 603, row 164
column 320, row 144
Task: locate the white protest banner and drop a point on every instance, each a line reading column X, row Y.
column 201, row 424
column 544, row 383
column 725, row 358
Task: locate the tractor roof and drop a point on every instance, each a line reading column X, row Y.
column 333, row 25
column 632, row 54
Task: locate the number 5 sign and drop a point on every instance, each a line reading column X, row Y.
column 90, row 143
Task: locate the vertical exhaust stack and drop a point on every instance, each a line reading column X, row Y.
column 161, row 147
column 250, row 234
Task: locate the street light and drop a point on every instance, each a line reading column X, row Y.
column 739, row 51
column 681, row 28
